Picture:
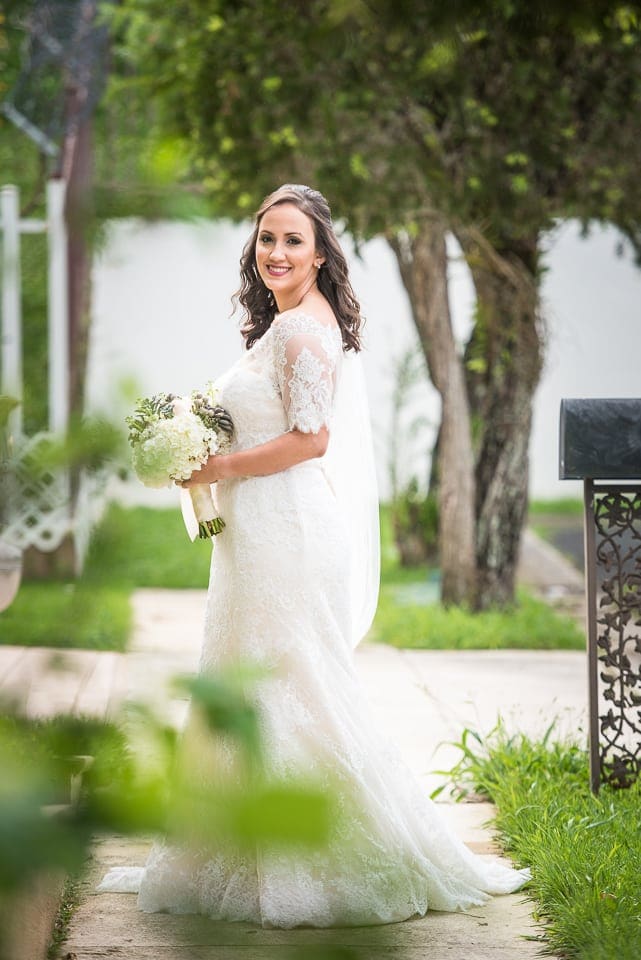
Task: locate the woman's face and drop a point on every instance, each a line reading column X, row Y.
column 286, row 254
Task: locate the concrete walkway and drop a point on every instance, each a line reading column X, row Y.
column 422, row 700
column 109, row 925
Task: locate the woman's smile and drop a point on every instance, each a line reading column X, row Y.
column 277, row 271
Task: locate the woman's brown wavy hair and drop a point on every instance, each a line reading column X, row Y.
column 333, row 280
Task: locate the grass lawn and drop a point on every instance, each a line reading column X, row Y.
column 67, row 615
column 143, row 547
column 531, row 625
column 584, row 851
column 407, row 615
column 563, row 507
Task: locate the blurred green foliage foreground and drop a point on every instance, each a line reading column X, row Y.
column 67, row 779
column 143, row 547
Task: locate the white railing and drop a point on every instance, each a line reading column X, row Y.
column 44, row 511
column 11, row 368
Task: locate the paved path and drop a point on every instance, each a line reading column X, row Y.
column 421, row 699
column 42, row 682
column 547, row 572
column 108, row 925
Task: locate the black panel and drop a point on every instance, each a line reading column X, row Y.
column 600, row 439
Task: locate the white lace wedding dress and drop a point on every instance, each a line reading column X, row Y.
column 278, row 596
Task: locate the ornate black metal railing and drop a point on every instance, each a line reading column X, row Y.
column 613, row 555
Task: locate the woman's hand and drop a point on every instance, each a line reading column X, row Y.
column 211, row 471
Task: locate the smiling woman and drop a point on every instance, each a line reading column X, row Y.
column 286, row 255
column 293, row 587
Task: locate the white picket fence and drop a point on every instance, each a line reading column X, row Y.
column 42, row 512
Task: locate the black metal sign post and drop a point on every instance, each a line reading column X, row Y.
column 600, row 443
column 589, row 563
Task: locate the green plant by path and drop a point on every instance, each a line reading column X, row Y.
column 583, row 851
column 66, row 909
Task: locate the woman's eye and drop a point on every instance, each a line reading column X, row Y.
column 265, row 238
column 294, row 241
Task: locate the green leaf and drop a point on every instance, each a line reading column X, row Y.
column 214, row 24
column 477, row 365
column 520, row 184
column 283, row 814
column 439, row 57
column 271, row 84
column 516, row 159
column 358, row 166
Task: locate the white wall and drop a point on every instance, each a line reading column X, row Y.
column 162, row 305
column 592, row 301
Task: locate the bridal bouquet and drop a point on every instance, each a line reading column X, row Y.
column 172, row 436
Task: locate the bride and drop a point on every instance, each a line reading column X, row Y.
column 293, row 587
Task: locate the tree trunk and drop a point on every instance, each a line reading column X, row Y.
column 503, row 364
column 422, row 260
column 79, row 212
column 76, row 168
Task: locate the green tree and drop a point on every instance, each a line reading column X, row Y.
column 489, row 120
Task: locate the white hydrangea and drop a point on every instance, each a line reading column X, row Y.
column 172, row 449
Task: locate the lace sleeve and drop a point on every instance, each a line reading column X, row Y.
column 306, row 359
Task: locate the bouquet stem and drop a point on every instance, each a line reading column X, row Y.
column 209, row 523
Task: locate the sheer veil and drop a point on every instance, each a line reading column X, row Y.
column 350, row 468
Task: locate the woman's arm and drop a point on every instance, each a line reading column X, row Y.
column 306, row 378
column 271, row 457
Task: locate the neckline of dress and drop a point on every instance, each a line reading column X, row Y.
column 301, row 314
